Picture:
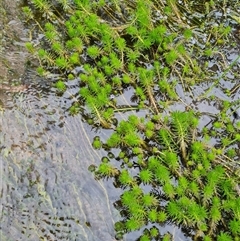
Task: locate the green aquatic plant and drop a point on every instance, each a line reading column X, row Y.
column 167, row 163
column 60, row 85
column 106, row 170
column 145, row 176
column 74, row 109
column 126, row 179
column 194, row 184
column 167, row 237
column 42, row 5
column 97, row 144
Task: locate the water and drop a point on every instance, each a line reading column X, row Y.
column 47, row 192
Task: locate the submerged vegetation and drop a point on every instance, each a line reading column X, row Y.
column 171, row 168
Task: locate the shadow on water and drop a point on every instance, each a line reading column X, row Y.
column 47, row 192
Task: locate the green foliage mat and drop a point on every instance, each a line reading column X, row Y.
column 171, row 168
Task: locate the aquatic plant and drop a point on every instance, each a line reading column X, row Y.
column 193, row 179
column 168, row 165
column 72, row 41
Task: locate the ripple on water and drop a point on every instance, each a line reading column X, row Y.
column 47, row 192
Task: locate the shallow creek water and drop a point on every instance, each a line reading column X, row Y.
column 47, row 192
